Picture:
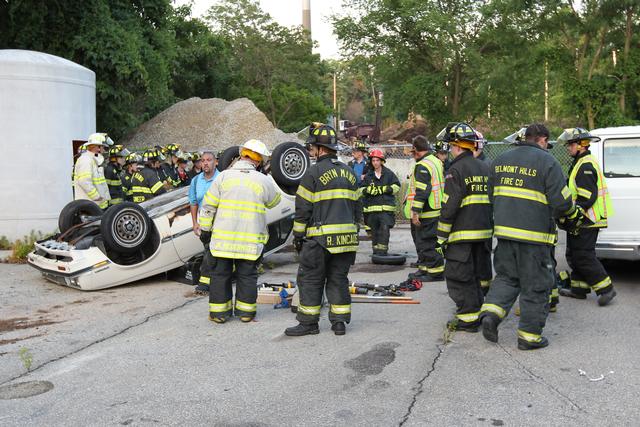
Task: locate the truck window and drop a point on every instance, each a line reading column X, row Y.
column 621, row 158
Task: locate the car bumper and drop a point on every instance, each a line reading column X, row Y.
column 618, row 250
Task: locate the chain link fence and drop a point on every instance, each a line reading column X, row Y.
column 400, row 160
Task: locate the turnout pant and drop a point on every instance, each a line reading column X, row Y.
column 587, row 272
column 467, row 265
column 318, row 270
column 523, row 269
column 380, row 223
column 206, row 268
column 220, row 291
column 424, row 237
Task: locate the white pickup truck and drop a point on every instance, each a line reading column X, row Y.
column 618, row 153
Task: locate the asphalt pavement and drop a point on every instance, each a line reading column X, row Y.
column 146, row 354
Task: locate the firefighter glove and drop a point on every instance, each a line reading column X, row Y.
column 297, row 243
column 205, row 237
column 441, row 247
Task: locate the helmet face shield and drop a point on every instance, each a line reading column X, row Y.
column 516, row 137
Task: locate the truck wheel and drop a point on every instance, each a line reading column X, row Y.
column 228, row 155
column 76, row 212
column 289, row 162
column 125, row 227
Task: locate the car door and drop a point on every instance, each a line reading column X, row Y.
column 620, row 160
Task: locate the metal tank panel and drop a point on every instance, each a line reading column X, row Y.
column 46, row 102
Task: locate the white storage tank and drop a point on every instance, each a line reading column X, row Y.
column 46, row 103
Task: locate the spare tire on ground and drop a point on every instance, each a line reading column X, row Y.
column 227, row 157
column 125, row 227
column 289, row 162
column 389, row 259
column 75, row 212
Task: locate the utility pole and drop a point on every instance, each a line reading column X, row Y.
column 335, row 98
column 546, row 91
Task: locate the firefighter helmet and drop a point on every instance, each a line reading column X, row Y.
column 324, row 136
column 132, row 158
column 580, row 136
column 463, row 135
column 256, row 146
column 99, row 139
column 118, row 151
column 516, row 137
column 152, row 155
column 360, row 146
column 376, row 152
column 172, row 149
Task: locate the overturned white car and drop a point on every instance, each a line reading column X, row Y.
column 98, row 250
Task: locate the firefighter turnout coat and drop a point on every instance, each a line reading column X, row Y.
column 427, row 183
column 527, row 190
column 89, row 182
column 235, row 211
column 379, row 193
column 112, row 173
column 326, row 208
column 466, row 212
column 589, row 190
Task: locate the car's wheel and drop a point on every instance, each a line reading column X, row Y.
column 76, row 212
column 289, row 162
column 389, row 259
column 125, row 227
column 227, row 157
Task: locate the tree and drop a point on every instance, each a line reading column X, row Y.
column 274, row 65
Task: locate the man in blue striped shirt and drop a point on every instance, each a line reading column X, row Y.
column 197, row 189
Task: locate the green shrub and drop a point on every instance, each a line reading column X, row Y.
column 5, row 244
column 22, row 247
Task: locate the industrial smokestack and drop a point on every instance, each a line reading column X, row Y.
column 306, row 15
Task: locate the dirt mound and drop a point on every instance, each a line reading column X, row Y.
column 214, row 124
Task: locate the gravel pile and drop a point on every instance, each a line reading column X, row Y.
column 214, row 124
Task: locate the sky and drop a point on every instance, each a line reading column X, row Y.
column 289, row 13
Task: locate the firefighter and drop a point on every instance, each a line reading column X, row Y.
column 145, row 184
column 89, row 182
column 589, row 191
column 197, row 189
column 233, row 225
column 465, row 228
column 379, row 187
column 359, row 163
column 113, row 173
column 183, row 178
column 169, row 168
column 131, row 163
column 325, row 236
column 527, row 190
column 196, row 159
column 422, row 205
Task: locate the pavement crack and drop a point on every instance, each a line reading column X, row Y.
column 103, row 339
column 541, row 380
column 420, row 386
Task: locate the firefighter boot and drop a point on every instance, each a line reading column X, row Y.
column 458, row 325
column 527, row 345
column 302, row 329
column 571, row 294
column 604, row 299
column 490, row 327
column 338, row 328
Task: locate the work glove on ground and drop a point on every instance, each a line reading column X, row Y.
column 205, row 237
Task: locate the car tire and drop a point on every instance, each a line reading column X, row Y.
column 72, row 214
column 389, row 259
column 227, row 157
column 125, row 228
column 289, row 162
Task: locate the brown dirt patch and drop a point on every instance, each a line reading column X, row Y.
column 7, row 325
column 15, row 340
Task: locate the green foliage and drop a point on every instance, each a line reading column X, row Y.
column 25, row 357
column 274, row 65
column 5, row 244
column 486, row 61
column 21, row 247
